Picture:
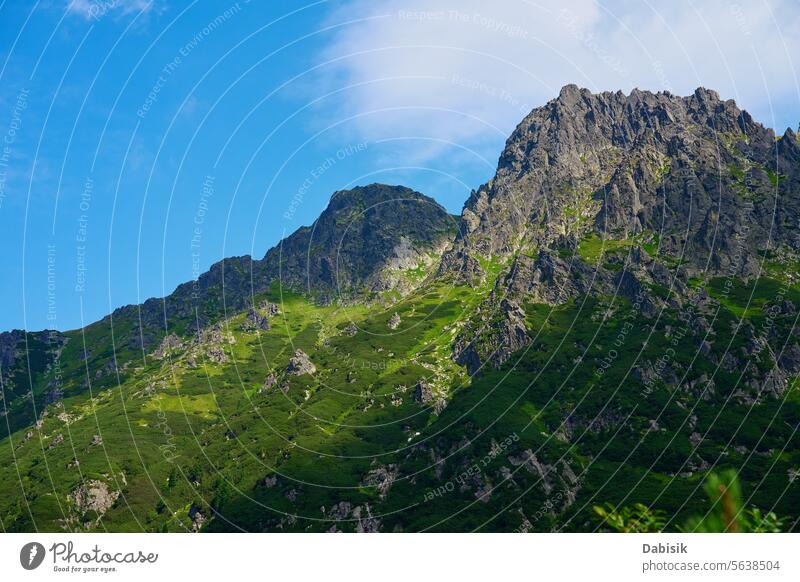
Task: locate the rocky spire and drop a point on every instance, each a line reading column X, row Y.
column 697, row 171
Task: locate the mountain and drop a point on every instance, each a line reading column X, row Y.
column 695, row 178
column 372, row 240
column 611, row 321
column 697, row 171
column 369, row 240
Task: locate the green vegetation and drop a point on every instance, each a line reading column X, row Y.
column 725, row 513
column 176, row 436
column 592, row 247
column 636, row 519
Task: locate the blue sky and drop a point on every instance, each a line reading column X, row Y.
column 144, row 140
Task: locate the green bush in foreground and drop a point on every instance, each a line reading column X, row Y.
column 726, row 513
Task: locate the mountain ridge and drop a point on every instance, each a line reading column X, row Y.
column 577, row 142
column 611, row 321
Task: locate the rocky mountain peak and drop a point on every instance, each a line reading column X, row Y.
column 363, row 242
column 620, row 166
column 614, row 194
column 368, row 240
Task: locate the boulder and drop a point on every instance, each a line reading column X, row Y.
column 300, row 364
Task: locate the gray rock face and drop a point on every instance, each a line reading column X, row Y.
column 366, row 522
column 423, row 393
column 697, row 170
column 492, row 337
column 359, row 242
column 93, row 496
column 269, row 383
column 790, row 359
column 381, row 479
column 8, row 346
column 527, row 458
column 216, row 355
column 344, row 513
column 270, row 309
column 169, row 343
column 214, row 335
column 256, row 321
column 197, row 518
column 695, row 174
column 300, row 364
column 352, row 250
column 57, row 440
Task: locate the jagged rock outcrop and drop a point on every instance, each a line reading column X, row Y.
column 423, row 393
column 364, row 241
column 381, row 478
column 92, row 499
column 269, row 383
column 270, row 309
column 8, row 346
column 300, row 364
column 255, row 320
column 169, row 343
column 586, row 181
column 369, row 239
column 492, row 337
column 216, row 355
column 696, row 170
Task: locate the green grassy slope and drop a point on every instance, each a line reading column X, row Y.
column 565, row 424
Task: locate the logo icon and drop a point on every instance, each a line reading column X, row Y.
column 31, row 555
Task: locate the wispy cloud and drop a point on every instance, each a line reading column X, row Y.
column 96, row 9
column 460, row 70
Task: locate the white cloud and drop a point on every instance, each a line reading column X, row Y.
column 463, row 69
column 96, row 9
